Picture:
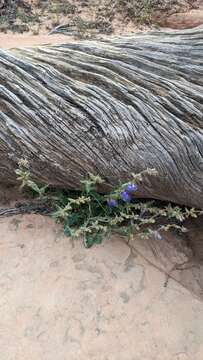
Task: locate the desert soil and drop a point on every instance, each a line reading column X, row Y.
column 115, row 301
column 31, row 26
column 59, row 301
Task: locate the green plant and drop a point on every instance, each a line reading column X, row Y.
column 55, row 20
column 27, row 17
column 36, row 30
column 65, row 8
column 84, row 29
column 146, row 12
column 92, row 215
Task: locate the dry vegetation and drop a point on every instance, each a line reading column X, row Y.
column 86, row 16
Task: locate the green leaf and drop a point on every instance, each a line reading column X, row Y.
column 88, row 241
column 33, row 186
column 67, row 231
column 73, row 219
column 91, row 239
column 97, row 196
column 98, row 238
column 123, row 230
column 43, row 189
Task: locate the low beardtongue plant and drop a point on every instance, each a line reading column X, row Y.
column 125, row 195
column 91, row 215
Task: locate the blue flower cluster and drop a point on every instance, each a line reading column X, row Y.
column 111, row 203
column 125, row 195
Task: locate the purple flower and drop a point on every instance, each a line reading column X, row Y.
column 125, row 196
column 111, row 203
column 130, row 188
column 157, row 235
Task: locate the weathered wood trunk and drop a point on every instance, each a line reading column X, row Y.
column 110, row 108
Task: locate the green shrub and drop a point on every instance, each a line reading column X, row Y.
column 91, row 215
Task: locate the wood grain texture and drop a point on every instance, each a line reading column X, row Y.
column 108, row 107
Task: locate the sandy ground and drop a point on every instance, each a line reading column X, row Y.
column 59, row 301
column 8, row 41
column 189, row 19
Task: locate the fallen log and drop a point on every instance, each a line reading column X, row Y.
column 108, row 107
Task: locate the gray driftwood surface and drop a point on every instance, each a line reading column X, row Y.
column 109, row 108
